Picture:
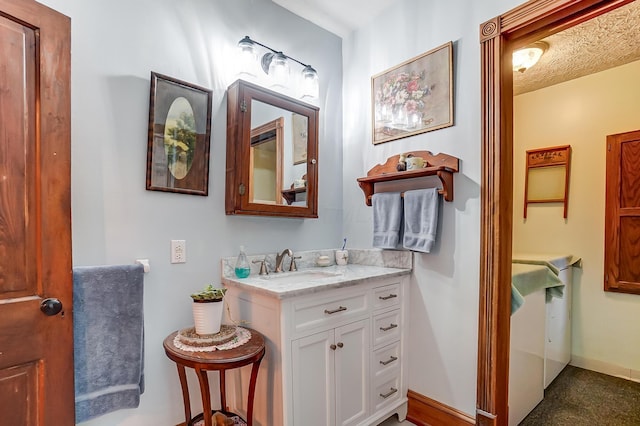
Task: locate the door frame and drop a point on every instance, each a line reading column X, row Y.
column 499, row 36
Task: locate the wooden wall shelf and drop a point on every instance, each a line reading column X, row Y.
column 290, row 194
column 442, row 165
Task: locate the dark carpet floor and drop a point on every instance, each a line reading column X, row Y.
column 581, row 397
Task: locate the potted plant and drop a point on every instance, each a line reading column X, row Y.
column 208, row 309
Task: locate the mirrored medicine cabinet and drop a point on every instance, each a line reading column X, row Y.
column 272, row 153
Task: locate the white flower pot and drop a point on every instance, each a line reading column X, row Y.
column 207, row 316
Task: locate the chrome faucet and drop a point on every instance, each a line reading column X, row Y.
column 280, row 258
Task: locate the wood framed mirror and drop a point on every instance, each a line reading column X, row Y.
column 272, row 153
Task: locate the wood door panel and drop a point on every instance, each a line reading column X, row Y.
column 629, row 266
column 17, row 104
column 17, row 387
column 36, row 351
column 630, row 176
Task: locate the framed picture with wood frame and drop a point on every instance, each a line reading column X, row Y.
column 413, row 97
column 179, row 136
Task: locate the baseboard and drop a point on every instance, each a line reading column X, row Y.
column 605, row 368
column 424, row 411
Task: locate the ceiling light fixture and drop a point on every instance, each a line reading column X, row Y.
column 275, row 64
column 527, row 57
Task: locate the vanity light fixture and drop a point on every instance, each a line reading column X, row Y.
column 527, row 57
column 275, row 64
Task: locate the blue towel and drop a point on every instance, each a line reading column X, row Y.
column 108, row 339
column 387, row 219
column 420, row 219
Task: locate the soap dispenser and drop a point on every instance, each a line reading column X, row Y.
column 242, row 264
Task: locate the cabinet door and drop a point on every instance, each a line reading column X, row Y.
column 352, row 372
column 312, row 362
column 622, row 214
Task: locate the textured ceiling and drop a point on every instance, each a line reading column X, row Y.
column 601, row 43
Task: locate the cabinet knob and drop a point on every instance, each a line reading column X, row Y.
column 340, row 344
column 333, row 347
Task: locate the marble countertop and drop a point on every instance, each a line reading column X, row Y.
column 363, row 264
column 284, row 284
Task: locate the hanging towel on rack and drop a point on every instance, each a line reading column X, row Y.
column 387, row 219
column 108, row 338
column 420, row 219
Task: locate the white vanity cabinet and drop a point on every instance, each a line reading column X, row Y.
column 330, row 376
column 335, row 356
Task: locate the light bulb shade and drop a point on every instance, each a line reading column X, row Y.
column 247, row 57
column 310, row 84
column 527, row 57
column 279, row 70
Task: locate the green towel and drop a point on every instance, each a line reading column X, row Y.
column 527, row 279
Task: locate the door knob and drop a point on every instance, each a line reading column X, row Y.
column 51, row 307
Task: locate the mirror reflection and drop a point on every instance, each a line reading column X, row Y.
column 278, row 156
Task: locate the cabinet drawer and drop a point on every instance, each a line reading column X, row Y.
column 386, row 361
column 387, row 296
column 386, row 327
column 317, row 312
column 386, row 392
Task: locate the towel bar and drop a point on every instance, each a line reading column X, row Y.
column 145, row 264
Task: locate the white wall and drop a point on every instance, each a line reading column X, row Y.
column 581, row 113
column 444, row 287
column 115, row 46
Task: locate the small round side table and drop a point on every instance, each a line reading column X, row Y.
column 251, row 352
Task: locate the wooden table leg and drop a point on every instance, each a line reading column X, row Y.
column 252, row 388
column 206, row 395
column 185, row 393
column 223, row 390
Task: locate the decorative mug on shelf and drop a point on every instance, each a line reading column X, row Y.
column 414, row 163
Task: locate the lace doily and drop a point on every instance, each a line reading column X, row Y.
column 188, row 341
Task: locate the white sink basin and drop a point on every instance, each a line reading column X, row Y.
column 298, row 277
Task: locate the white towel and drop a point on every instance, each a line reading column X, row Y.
column 420, row 219
column 387, row 219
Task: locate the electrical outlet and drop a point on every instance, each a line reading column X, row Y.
column 178, row 251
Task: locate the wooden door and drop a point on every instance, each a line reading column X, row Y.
column 36, row 350
column 622, row 214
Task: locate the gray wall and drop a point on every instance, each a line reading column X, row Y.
column 444, row 288
column 115, row 46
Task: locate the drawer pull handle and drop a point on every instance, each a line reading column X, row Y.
column 340, row 309
column 391, row 326
column 388, row 394
column 389, row 361
column 390, row 296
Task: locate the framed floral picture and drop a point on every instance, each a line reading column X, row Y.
column 413, row 97
column 179, row 136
